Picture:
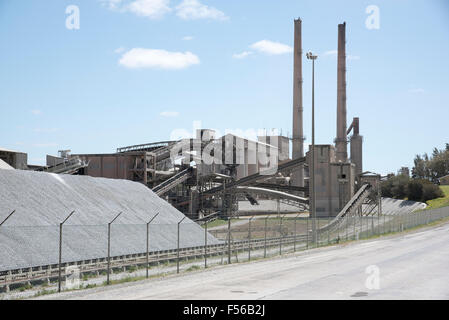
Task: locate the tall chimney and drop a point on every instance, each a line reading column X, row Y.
column 298, row 137
column 356, row 146
column 340, row 141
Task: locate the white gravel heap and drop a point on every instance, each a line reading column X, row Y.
column 30, row 237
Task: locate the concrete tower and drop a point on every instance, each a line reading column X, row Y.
column 340, row 141
column 356, row 146
column 298, row 137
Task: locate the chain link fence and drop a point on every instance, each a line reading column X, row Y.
column 73, row 256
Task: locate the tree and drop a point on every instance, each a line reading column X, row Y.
column 419, row 170
column 415, row 190
column 432, row 168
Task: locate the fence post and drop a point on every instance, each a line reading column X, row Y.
column 294, row 239
column 249, row 238
column 229, row 240
column 338, row 231
column 265, row 239
column 361, row 228
column 60, row 247
column 148, row 242
column 307, row 233
column 347, row 228
column 205, row 244
column 367, row 227
column 177, row 253
column 109, row 247
column 354, row 221
column 280, row 235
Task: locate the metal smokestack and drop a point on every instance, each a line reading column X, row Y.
column 298, row 137
column 341, row 140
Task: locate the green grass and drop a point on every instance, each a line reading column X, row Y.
column 125, row 280
column 440, row 202
column 193, row 268
column 24, row 287
column 218, row 222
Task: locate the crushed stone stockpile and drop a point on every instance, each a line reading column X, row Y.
column 30, row 237
column 392, row 206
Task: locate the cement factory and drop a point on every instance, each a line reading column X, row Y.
column 198, row 189
column 186, row 181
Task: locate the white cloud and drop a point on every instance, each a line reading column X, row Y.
column 160, row 59
column 169, row 113
column 351, row 57
column 417, row 90
column 119, row 50
column 152, row 9
column 242, row 55
column 193, row 9
column 111, row 4
column 331, row 53
column 271, row 47
column 334, row 53
column 187, row 38
column 36, row 112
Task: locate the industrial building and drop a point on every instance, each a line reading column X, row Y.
column 207, row 174
column 14, row 159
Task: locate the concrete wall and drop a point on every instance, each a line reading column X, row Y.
column 17, row 160
column 334, row 182
column 356, row 153
column 113, row 166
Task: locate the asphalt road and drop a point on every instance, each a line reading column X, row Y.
column 408, row 266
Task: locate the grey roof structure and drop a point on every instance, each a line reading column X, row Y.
column 5, row 166
column 30, row 237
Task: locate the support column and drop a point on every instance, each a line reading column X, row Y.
column 297, row 135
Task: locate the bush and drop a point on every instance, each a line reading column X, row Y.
column 415, row 190
column 385, row 189
column 395, row 187
column 401, row 187
column 431, row 191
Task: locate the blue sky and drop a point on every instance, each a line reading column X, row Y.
column 135, row 70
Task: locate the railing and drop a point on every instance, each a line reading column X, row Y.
column 228, row 241
column 172, row 182
column 145, row 146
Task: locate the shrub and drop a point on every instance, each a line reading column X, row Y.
column 431, row 191
column 415, row 190
column 401, row 187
